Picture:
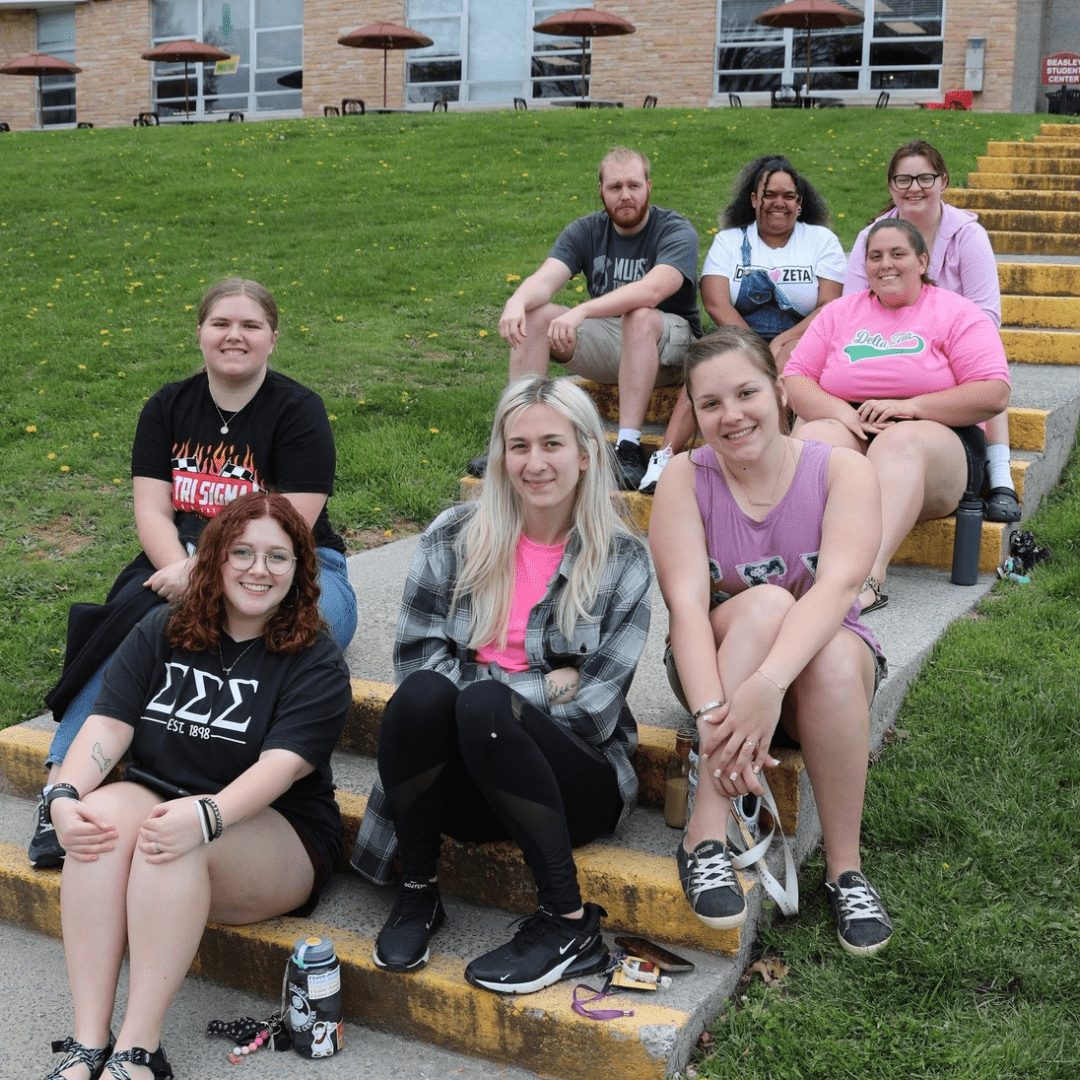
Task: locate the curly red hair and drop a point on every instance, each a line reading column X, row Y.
column 197, row 622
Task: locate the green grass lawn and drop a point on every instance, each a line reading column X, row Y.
column 391, row 244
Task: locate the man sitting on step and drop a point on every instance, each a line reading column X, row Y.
column 640, row 265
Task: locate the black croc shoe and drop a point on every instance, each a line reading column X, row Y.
column 1001, row 504
column 77, row 1054
column 156, row 1062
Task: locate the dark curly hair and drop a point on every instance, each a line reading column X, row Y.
column 739, row 213
column 197, row 622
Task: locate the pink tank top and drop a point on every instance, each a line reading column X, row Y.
column 534, row 567
column 782, row 548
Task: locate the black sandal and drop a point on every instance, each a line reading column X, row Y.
column 880, row 598
column 1001, row 504
column 156, row 1062
column 77, row 1054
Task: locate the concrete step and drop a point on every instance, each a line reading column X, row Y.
column 1039, row 278
column 1033, row 243
column 1041, row 166
column 1060, row 312
column 1059, row 131
column 1042, row 148
column 980, row 199
column 1030, row 346
column 538, row 1032
column 1018, row 176
column 1036, row 221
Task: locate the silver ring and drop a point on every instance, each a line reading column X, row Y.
column 752, row 743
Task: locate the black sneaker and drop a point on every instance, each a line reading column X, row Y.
column 402, row 944
column 44, row 850
column 711, row 887
column 477, row 467
column 630, row 465
column 545, row 949
column 862, row 924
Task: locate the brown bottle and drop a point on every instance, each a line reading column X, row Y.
column 677, row 782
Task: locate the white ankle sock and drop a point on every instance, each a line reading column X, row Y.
column 997, row 460
column 629, row 434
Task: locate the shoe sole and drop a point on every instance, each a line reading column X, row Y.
column 566, row 970
column 384, row 966
column 861, row 950
column 722, row 922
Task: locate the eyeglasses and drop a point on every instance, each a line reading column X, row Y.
column 276, row 562
column 925, row 180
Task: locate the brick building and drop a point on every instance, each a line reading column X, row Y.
column 691, row 53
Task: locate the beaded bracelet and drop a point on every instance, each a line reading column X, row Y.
column 707, row 707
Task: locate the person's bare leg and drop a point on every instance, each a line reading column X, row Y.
column 93, row 915
column 680, row 426
column 831, row 700
column 255, row 870
column 533, row 355
column 638, row 364
column 746, row 626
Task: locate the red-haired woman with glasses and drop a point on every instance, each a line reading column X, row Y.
column 228, row 705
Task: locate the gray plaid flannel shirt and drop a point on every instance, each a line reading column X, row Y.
column 605, row 648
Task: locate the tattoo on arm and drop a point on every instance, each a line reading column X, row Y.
column 555, row 692
column 103, row 763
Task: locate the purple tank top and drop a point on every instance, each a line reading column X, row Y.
column 782, row 548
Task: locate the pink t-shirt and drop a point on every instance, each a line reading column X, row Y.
column 534, row 567
column 857, row 348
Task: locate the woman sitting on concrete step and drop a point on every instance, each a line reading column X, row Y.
column 228, row 704
column 523, row 618
column 903, row 372
column 961, row 259
column 761, row 542
column 234, row 427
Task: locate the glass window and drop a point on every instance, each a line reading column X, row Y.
column 266, row 35
column 56, row 36
column 908, row 18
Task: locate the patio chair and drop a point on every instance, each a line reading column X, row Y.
column 4, row 125
column 649, row 102
column 84, row 124
column 352, row 106
column 786, row 97
column 236, row 117
column 734, row 101
column 331, row 110
column 882, row 100
column 521, row 105
column 439, row 105
column 147, row 119
column 959, row 99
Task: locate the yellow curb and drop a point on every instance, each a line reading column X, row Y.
column 1042, row 148
column 1055, row 221
column 1021, row 180
column 368, row 702
column 1033, row 243
column 1058, row 312
column 1056, row 166
column 1041, row 346
column 29, row 897
column 980, row 199
column 1059, row 131
column 1040, row 279
column 23, row 750
column 1027, row 428
column 930, row 543
column 1018, row 471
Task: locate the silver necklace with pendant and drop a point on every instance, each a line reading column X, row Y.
column 221, row 416
column 221, row 656
column 776, row 483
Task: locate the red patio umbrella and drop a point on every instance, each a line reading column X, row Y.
column 385, row 36
column 584, row 23
column 810, row 15
column 184, row 52
column 39, row 64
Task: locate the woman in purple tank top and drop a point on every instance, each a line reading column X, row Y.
column 761, row 543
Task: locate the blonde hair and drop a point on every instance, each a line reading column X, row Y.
column 486, row 547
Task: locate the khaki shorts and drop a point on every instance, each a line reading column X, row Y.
column 599, row 346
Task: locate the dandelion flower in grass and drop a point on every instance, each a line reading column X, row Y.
column 331, row 417
column 481, row 333
column 513, row 277
column 433, row 430
column 95, row 435
column 31, row 429
column 434, row 333
column 82, row 367
column 65, row 468
column 339, row 318
column 51, row 455
column 116, row 480
column 388, row 533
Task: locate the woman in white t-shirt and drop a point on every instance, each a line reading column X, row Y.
column 771, row 268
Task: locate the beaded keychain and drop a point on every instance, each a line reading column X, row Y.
column 250, row 1035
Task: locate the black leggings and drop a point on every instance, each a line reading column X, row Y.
column 482, row 764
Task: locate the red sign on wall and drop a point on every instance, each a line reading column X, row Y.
column 1061, row 68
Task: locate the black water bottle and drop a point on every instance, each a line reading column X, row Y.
column 965, row 556
column 314, row 1013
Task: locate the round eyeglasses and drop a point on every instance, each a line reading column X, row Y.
column 276, row 562
column 924, row 179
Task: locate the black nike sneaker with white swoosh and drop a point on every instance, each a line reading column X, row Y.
column 402, row 944
column 545, row 949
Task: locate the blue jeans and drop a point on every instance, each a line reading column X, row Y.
column 337, row 604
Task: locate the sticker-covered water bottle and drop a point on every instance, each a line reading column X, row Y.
column 313, row 1005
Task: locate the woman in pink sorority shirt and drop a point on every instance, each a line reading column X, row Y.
column 904, row 373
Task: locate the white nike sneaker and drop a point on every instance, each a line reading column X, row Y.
column 657, row 464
